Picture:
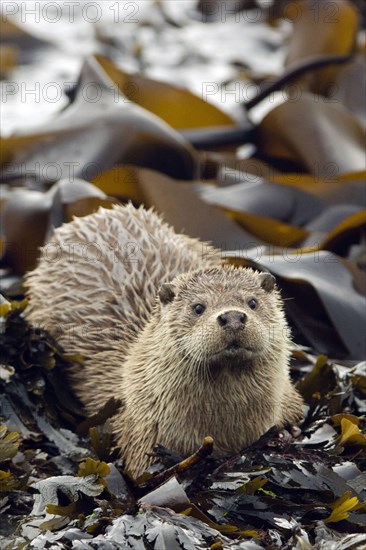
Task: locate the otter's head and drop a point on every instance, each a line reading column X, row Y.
column 223, row 317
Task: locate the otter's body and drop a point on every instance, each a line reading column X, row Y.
column 207, row 354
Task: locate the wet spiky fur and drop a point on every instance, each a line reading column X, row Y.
column 95, row 289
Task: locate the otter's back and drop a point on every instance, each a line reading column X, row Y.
column 98, row 276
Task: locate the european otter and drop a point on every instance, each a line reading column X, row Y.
column 191, row 347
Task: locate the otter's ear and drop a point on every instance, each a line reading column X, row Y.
column 267, row 281
column 166, row 293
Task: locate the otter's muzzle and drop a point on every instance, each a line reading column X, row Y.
column 232, row 320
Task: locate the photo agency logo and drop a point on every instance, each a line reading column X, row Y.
column 53, row 12
column 238, row 11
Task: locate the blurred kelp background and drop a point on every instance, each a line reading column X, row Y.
column 243, row 123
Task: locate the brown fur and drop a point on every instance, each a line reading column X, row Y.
column 181, row 375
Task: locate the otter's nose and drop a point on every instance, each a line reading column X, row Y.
column 233, row 320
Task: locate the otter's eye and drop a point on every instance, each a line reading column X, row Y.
column 199, row 309
column 253, row 304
